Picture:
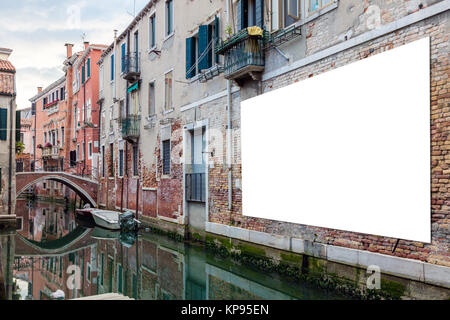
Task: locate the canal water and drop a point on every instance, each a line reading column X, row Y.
column 55, row 256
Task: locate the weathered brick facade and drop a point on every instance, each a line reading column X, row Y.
column 437, row 252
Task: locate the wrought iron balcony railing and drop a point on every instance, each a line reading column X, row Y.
column 131, row 64
column 130, row 127
column 244, row 54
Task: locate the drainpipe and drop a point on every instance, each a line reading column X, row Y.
column 229, row 102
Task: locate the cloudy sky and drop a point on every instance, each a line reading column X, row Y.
column 37, row 30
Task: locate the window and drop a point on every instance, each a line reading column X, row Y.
column 88, row 67
column 78, row 152
column 151, row 99
column 166, row 156
column 169, row 17
column 168, row 90
column 90, row 150
column 112, row 67
column 3, row 123
column 100, row 79
column 119, row 279
column 122, row 110
column 103, row 161
column 102, row 270
column 135, row 159
column 83, row 74
column 111, row 160
column 62, row 95
column 45, row 137
column 102, row 130
column 123, row 56
column 111, row 119
column 136, row 43
column 200, row 48
column 315, row 5
column 62, row 136
column 84, row 151
column 152, row 31
column 284, row 13
column 121, row 163
column 250, row 13
column 44, row 102
column 89, row 111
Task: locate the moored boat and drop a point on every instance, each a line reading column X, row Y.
column 106, row 219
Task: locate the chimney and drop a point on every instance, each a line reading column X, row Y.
column 86, row 45
column 39, row 90
column 69, row 48
column 5, row 53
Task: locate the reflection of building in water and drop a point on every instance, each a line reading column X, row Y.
column 7, row 245
column 44, row 221
column 46, row 274
column 150, row 268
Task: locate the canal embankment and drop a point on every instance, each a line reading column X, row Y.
column 343, row 270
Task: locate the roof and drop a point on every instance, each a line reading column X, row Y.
column 6, row 66
column 133, row 23
column 49, row 88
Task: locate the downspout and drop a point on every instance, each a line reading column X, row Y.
column 229, row 124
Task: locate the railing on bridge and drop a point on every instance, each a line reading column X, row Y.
column 78, row 168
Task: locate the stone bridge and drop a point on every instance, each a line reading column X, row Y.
column 86, row 188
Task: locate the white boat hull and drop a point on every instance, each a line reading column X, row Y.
column 107, row 222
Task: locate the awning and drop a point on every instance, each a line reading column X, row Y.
column 133, row 87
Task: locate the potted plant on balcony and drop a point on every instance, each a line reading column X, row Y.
column 39, row 146
column 20, row 147
column 48, row 145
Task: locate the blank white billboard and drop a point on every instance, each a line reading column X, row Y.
column 348, row 149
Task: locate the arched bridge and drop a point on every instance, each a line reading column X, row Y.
column 86, row 188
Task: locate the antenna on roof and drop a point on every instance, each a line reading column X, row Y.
column 134, row 10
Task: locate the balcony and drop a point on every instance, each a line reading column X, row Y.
column 131, row 127
column 50, row 152
column 244, row 54
column 131, row 65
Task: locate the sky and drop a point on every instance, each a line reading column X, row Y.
column 36, row 31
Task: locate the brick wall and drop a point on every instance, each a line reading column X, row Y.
column 436, row 252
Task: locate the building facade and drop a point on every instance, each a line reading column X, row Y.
column 7, row 136
column 86, row 130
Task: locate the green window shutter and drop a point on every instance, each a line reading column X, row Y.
column 241, row 10
column 259, row 12
column 204, row 37
column 190, row 57
column 123, row 57
column 3, row 123
column 83, row 74
column 217, row 34
column 18, row 113
column 112, row 67
column 89, row 68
